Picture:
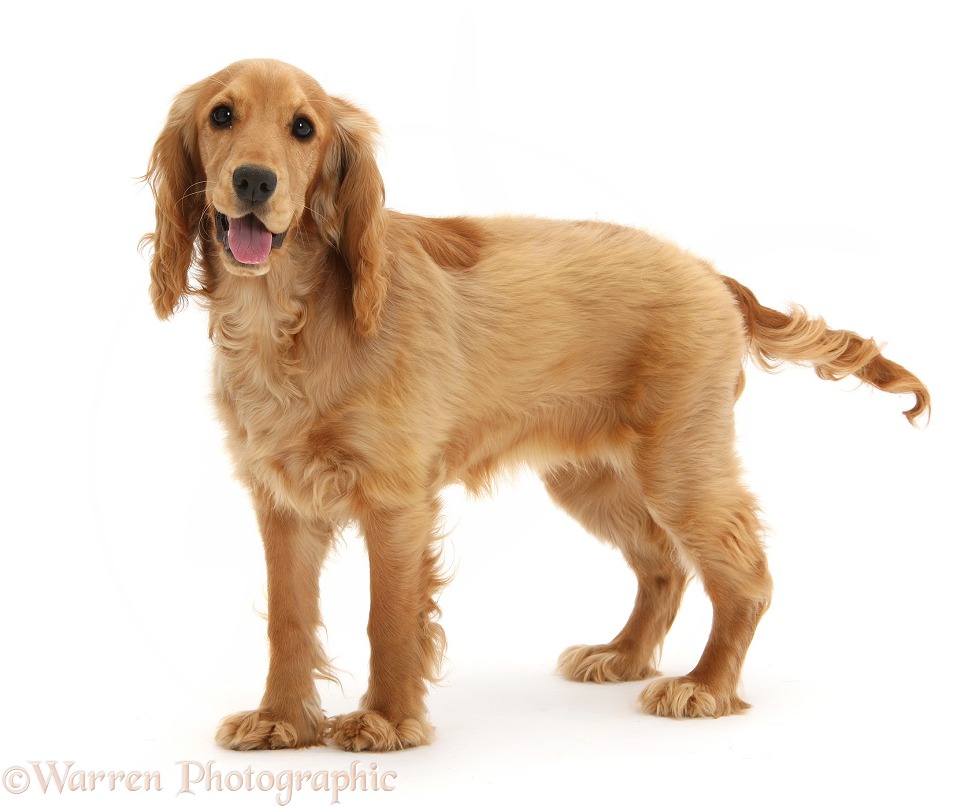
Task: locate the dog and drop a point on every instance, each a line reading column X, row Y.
column 365, row 358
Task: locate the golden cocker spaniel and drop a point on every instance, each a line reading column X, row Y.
column 366, row 358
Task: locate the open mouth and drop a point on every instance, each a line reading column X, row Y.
column 247, row 238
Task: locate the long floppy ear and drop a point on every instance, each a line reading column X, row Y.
column 178, row 183
column 349, row 206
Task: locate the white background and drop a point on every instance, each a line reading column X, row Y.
column 817, row 152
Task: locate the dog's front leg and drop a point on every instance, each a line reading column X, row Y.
column 290, row 712
column 406, row 642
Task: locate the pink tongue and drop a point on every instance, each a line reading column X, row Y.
column 249, row 240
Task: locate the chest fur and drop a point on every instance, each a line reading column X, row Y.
column 276, row 431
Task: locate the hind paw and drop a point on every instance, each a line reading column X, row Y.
column 602, row 664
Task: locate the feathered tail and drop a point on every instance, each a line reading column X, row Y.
column 775, row 337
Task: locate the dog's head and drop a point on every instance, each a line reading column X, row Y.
column 250, row 158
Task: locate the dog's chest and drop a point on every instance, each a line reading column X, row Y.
column 279, row 440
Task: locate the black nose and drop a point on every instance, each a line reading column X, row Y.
column 254, row 183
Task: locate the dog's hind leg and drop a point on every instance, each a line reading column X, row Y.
column 613, row 509
column 691, row 480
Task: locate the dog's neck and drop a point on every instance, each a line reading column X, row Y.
column 258, row 323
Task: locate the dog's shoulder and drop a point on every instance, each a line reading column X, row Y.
column 453, row 243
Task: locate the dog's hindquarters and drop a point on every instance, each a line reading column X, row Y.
column 676, row 503
column 686, row 474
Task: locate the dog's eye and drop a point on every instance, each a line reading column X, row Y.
column 302, row 128
column 221, row 116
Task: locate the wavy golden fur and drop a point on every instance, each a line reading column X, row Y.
column 366, row 358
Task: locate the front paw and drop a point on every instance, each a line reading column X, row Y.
column 369, row 730
column 260, row 730
column 687, row 698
